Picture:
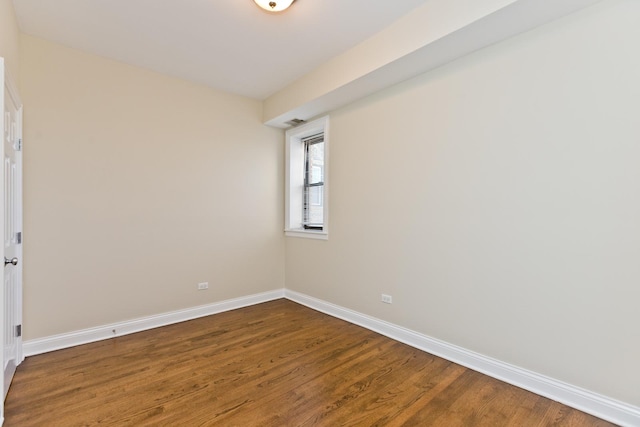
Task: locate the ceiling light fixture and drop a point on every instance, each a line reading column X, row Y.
column 274, row 5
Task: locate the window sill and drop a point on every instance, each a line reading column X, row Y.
column 307, row 234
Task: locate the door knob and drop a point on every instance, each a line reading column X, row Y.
column 13, row 261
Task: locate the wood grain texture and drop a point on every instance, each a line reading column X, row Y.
column 272, row 364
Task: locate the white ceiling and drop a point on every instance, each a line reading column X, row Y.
column 230, row 45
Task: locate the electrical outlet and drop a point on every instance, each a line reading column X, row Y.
column 202, row 286
column 386, row 299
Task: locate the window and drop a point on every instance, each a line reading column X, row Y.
column 312, row 206
column 306, row 180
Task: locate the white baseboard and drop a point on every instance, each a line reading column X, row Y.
column 592, row 403
column 85, row 336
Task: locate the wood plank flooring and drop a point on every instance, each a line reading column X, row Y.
column 272, row 364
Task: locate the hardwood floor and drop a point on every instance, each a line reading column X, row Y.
column 273, row 364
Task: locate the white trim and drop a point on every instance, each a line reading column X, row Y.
column 307, row 234
column 85, row 336
column 584, row 400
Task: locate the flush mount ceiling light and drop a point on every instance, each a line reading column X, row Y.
column 274, row 5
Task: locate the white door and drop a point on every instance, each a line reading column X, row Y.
column 12, row 235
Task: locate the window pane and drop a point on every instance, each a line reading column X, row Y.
column 316, row 162
column 316, row 174
column 314, row 211
column 315, row 196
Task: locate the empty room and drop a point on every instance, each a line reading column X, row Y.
column 321, row 213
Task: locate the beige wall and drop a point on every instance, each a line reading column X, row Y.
column 497, row 199
column 137, row 187
column 9, row 38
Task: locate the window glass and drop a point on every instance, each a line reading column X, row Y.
column 313, row 211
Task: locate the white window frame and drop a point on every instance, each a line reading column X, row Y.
column 294, row 179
